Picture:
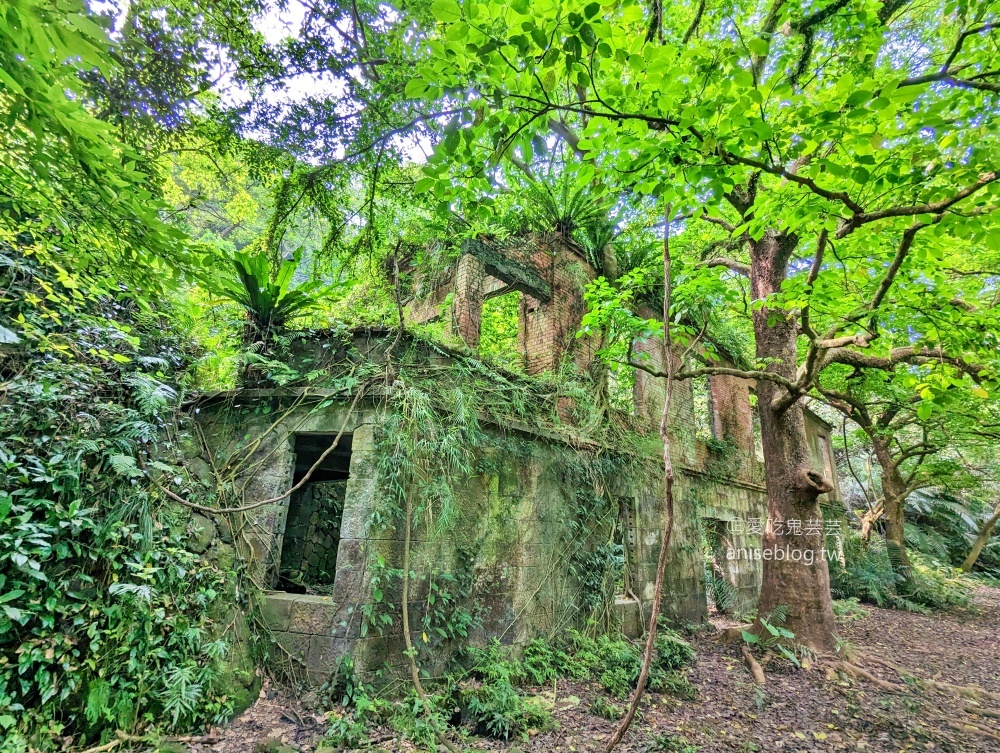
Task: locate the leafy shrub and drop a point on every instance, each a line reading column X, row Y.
column 606, row 709
column 941, row 526
column 544, row 663
column 868, row 577
column 616, row 662
column 613, row 661
column 269, row 299
column 673, row 744
column 500, row 711
column 849, row 609
column 672, row 651
column 672, row 683
column 939, row 587
column 106, row 621
column 349, row 724
column 495, row 705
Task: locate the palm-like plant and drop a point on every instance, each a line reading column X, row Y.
column 580, row 213
column 269, row 303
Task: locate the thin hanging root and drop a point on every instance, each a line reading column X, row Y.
column 302, row 482
column 756, row 671
column 411, row 653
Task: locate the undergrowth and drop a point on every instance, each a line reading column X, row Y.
column 868, row 576
column 494, row 694
column 107, row 622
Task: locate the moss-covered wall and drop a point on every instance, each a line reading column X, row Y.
column 528, row 550
column 531, row 536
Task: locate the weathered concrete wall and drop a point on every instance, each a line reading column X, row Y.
column 520, row 552
column 529, row 536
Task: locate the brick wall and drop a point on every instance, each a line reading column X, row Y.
column 547, row 329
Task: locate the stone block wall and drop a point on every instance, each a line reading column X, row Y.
column 527, row 528
column 312, row 534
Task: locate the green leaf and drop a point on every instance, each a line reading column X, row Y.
column 11, row 595
column 446, row 11
column 415, row 87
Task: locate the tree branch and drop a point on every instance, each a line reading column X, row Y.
column 792, row 177
column 735, row 266
column 936, row 207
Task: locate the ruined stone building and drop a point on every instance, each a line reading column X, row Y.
column 535, row 528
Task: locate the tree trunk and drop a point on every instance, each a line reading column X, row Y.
column 893, row 499
column 795, row 569
column 981, row 539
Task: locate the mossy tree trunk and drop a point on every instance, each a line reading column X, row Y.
column 984, row 536
column 795, row 574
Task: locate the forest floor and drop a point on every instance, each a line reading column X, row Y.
column 815, row 709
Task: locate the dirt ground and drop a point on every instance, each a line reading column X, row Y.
column 814, row 709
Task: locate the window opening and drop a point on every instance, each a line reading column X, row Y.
column 625, row 545
column 498, row 330
column 758, row 435
column 702, row 399
column 315, row 512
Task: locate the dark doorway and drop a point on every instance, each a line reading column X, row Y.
column 720, row 586
column 315, row 512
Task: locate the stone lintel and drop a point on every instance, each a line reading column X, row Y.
column 516, row 275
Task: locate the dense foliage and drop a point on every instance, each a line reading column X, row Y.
column 183, row 183
column 108, row 622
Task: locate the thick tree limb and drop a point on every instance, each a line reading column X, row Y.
column 732, row 264
column 693, row 26
column 935, row 207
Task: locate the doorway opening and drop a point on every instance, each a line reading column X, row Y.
column 720, row 584
column 315, row 512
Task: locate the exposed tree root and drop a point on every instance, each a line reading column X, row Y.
column 966, row 691
column 965, row 725
column 756, row 671
column 982, row 712
column 853, row 670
